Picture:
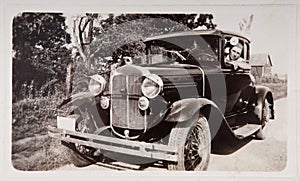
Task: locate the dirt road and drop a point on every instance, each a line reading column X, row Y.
column 259, row 155
column 255, row 155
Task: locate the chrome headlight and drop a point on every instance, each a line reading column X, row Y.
column 152, row 86
column 143, row 103
column 97, row 84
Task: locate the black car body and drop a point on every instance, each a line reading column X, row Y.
column 170, row 106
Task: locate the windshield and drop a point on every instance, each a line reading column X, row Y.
column 183, row 49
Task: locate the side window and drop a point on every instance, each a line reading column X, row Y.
column 231, row 41
column 235, row 49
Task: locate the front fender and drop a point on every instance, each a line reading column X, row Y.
column 185, row 109
column 263, row 93
column 77, row 99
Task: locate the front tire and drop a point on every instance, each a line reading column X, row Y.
column 193, row 140
column 77, row 154
column 75, row 157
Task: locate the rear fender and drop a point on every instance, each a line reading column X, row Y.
column 263, row 93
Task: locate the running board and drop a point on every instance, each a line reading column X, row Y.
column 246, row 130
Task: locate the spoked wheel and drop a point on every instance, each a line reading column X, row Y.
column 266, row 112
column 193, row 140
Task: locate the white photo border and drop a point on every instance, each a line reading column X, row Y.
column 12, row 8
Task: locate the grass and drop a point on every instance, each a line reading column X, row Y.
column 39, row 153
column 32, row 148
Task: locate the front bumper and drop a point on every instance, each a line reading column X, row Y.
column 136, row 148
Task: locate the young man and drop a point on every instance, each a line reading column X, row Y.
column 235, row 53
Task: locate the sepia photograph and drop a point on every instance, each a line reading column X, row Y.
column 203, row 89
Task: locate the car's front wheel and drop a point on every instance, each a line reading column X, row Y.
column 81, row 155
column 193, row 140
column 75, row 154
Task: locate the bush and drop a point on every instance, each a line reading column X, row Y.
column 32, row 115
column 270, row 79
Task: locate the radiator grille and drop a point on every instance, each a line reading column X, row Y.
column 125, row 92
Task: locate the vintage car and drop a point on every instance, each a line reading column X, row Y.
column 170, row 106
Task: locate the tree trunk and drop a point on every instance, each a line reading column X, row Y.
column 69, row 79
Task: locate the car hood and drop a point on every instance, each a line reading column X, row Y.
column 162, row 70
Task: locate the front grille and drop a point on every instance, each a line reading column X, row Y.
column 125, row 91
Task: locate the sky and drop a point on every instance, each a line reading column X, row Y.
column 273, row 30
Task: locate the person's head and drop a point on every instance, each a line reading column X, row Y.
column 235, row 51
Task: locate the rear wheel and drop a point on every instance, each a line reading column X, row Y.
column 193, row 140
column 266, row 112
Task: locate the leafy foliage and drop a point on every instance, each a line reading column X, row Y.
column 39, row 52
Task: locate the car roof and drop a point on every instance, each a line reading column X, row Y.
column 216, row 32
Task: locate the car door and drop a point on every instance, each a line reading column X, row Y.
column 238, row 82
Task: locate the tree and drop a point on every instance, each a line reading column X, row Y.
column 126, row 32
column 40, row 56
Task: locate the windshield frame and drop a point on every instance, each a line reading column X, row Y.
column 170, row 45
